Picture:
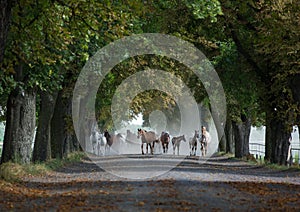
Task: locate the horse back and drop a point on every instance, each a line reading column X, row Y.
column 150, row 136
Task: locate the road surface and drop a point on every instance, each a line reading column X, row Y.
column 216, row 184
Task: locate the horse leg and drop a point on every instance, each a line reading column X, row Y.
column 167, row 147
column 174, row 147
column 147, row 147
column 108, row 149
column 142, row 147
column 151, row 148
column 178, row 149
column 153, row 145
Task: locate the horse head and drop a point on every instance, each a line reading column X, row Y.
column 106, row 134
column 140, row 133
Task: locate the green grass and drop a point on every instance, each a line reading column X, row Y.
column 13, row 172
column 229, row 155
column 297, row 158
column 267, row 164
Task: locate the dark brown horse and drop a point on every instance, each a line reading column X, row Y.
column 148, row 138
column 165, row 139
column 112, row 139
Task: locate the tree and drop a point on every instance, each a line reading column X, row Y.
column 242, row 89
column 30, row 50
column 273, row 58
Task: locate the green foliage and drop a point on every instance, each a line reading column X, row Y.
column 147, row 101
column 266, row 33
column 205, row 9
column 240, row 83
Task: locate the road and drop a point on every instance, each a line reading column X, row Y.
column 216, row 184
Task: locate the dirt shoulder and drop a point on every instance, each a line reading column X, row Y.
column 219, row 184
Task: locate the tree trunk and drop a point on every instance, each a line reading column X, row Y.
column 268, row 138
column 280, row 142
column 71, row 143
column 84, row 134
column 57, row 128
column 222, row 144
column 5, row 16
column 63, row 139
column 20, row 126
column 241, row 136
column 220, row 132
column 229, row 137
column 42, row 150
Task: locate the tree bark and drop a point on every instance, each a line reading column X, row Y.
column 57, row 128
column 84, row 132
column 268, row 138
column 63, row 139
column 241, row 136
column 42, row 148
column 223, row 144
column 220, row 128
column 229, row 137
column 20, row 126
column 280, row 142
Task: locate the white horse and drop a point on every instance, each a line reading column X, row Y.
column 204, row 141
column 98, row 141
column 176, row 143
column 94, row 140
column 101, row 145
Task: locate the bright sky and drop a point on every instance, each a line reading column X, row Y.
column 138, row 120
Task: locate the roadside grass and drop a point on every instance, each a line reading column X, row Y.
column 252, row 160
column 229, row 155
column 294, row 166
column 13, row 172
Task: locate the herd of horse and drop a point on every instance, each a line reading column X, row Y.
column 103, row 142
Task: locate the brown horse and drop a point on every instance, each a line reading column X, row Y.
column 165, row 139
column 148, row 138
column 112, row 139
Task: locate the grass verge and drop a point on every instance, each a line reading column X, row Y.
column 252, row 160
column 13, row 172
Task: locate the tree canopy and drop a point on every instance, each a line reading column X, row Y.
column 253, row 46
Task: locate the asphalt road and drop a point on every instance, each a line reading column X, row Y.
column 156, row 183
